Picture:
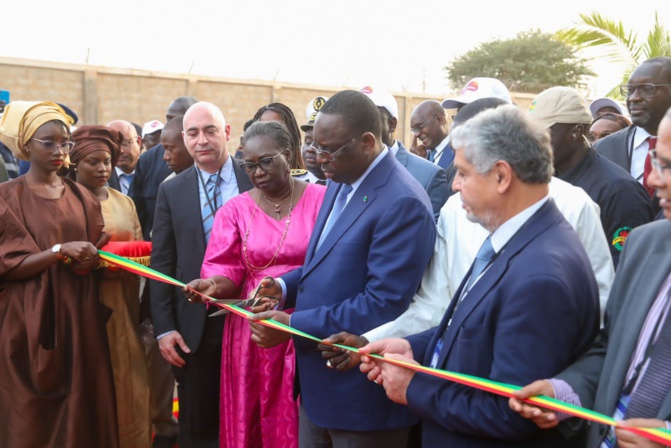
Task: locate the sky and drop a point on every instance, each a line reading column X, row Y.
column 393, row 44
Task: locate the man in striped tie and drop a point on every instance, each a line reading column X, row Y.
column 185, row 210
column 627, row 372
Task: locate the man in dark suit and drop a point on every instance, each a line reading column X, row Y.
column 372, row 240
column 625, row 373
column 428, row 124
column 648, row 94
column 122, row 174
column 429, row 175
column 188, row 339
column 527, row 307
column 151, row 170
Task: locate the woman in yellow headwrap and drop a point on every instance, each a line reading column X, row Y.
column 56, row 387
column 93, row 157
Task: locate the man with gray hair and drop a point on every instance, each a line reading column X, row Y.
column 526, row 309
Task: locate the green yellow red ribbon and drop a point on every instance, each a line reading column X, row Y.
column 658, row 435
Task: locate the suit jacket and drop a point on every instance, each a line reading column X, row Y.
column 532, row 313
column 113, row 181
column 429, row 175
column 150, row 171
column 615, row 147
column 178, row 249
column 364, row 274
column 598, row 377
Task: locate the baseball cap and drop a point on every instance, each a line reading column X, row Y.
column 560, row 105
column 598, row 103
column 382, row 98
column 478, row 88
column 311, row 111
column 151, row 126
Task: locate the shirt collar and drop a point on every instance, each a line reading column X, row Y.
column 120, row 172
column 226, row 173
column 507, row 230
column 377, row 160
column 394, row 148
column 640, row 136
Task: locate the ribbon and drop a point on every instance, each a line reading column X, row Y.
column 658, row 435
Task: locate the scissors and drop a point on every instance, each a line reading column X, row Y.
column 251, row 302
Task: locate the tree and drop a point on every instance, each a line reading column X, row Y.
column 531, row 62
column 612, row 41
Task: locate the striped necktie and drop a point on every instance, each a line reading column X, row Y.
column 211, row 203
column 338, row 206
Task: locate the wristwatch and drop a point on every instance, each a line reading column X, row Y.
column 56, row 250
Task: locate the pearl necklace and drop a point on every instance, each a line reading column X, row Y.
column 272, row 261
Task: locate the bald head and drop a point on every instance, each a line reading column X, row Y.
column 130, row 147
column 179, row 106
column 428, row 123
column 205, row 136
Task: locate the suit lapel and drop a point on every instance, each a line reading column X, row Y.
column 362, row 198
column 189, row 205
column 653, row 271
column 538, row 223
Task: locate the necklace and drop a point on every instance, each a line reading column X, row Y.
column 279, row 204
column 272, row 261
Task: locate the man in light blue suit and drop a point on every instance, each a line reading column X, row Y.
column 430, row 175
column 527, row 308
column 363, row 265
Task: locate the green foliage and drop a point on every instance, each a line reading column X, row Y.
column 530, row 62
column 617, row 44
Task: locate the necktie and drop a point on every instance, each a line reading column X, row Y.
column 647, row 167
column 211, row 203
column 125, row 181
column 654, row 386
column 338, row 207
column 430, row 154
column 482, row 259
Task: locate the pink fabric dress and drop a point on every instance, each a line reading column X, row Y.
column 257, row 405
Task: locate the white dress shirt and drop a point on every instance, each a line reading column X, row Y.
column 639, row 150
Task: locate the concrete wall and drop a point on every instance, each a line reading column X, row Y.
column 102, row 94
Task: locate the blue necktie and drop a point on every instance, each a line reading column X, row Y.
column 338, row 207
column 213, row 193
column 125, row 181
column 482, row 259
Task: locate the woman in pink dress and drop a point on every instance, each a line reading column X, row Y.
column 264, row 232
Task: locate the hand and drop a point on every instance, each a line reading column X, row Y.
column 103, row 239
column 372, row 366
column 268, row 287
column 266, row 337
column 627, row 439
column 338, row 358
column 543, row 418
column 82, row 253
column 167, row 347
column 264, row 304
column 418, row 149
column 206, row 286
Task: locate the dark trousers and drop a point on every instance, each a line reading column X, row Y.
column 198, row 389
column 313, row 436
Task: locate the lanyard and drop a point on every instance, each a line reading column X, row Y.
column 213, row 208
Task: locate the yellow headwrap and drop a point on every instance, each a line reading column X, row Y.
column 23, row 118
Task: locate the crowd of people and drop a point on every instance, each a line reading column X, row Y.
column 525, row 246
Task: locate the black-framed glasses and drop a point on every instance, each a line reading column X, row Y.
column 420, row 128
column 657, row 164
column 52, row 146
column 646, row 90
column 265, row 164
column 330, row 155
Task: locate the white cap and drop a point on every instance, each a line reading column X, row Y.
column 311, row 111
column 476, row 89
column 151, row 126
column 598, row 103
column 382, row 98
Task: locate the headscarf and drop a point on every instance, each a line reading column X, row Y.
column 23, row 118
column 90, row 138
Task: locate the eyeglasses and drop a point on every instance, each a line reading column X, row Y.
column 657, row 164
column 265, row 164
column 328, row 155
column 52, row 146
column 126, row 143
column 418, row 130
column 646, row 90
